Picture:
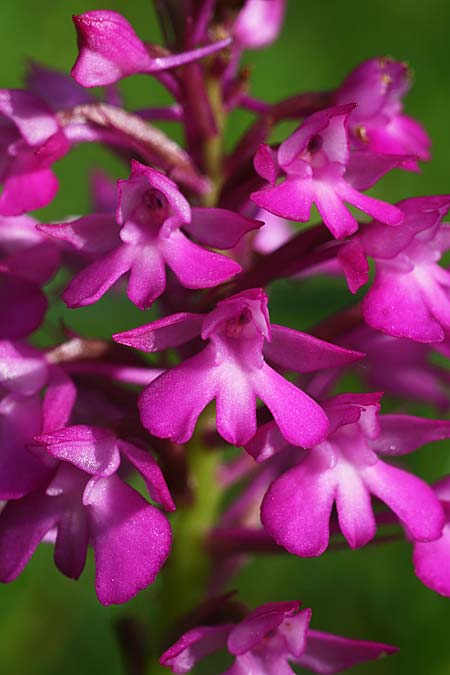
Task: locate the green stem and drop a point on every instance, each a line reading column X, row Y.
column 213, row 147
column 186, row 572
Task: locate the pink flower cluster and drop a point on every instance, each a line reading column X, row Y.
column 200, row 238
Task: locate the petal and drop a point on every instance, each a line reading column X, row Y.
column 336, row 216
column 265, row 162
column 259, row 23
column 131, row 539
column 23, row 525
column 261, row 663
column 20, row 471
column 434, row 282
column 395, row 306
column 353, row 260
column 91, row 449
column 354, row 509
column 432, row 563
column 170, row 331
column 26, row 305
column 194, row 266
column 23, row 369
column 57, row 89
column 267, row 441
column 402, row 434
column 330, row 123
column 365, row 168
column 301, row 420
column 291, row 199
column 273, row 234
column 37, row 263
column 27, row 191
column 344, row 409
column 147, row 277
column 58, row 401
column 170, row 405
column 235, row 404
column 297, row 507
column 194, row 646
column 303, row 353
column 386, row 213
column 142, row 178
column 249, row 632
column 219, row 228
column 109, row 49
column 72, row 542
column 144, row 463
column 91, row 284
column 34, row 120
column 97, row 233
column 326, row 653
column 409, row 497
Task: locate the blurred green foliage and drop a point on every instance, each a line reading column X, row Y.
column 49, row 624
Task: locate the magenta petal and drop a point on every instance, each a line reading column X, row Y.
column 354, row 263
column 267, row 441
column 131, row 539
column 144, row 463
column 432, row 563
column 91, row 284
column 344, row 409
column 261, row 664
column 91, row 449
column 303, row 353
column 292, row 199
column 26, row 304
column 171, row 404
column 20, row 471
column 56, row 88
column 301, row 420
column 410, row 136
column 326, row 653
column 395, row 305
column 266, row 164
column 409, row 497
column 354, row 508
column 171, row 331
column 335, row 214
column 147, row 277
column 72, row 541
column 142, row 178
column 23, row 370
column 194, row 646
column 236, row 405
column 194, row 266
column 401, row 434
column 95, row 234
column 34, row 120
column 259, row 23
column 386, row 213
column 109, row 49
column 37, row 263
column 297, row 507
column 247, row 634
column 27, row 191
column 219, row 228
column 365, row 168
column 58, row 401
column 23, row 525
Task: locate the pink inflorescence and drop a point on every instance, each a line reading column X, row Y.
column 97, row 436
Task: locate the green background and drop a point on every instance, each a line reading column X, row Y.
column 50, row 625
